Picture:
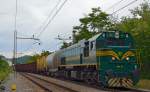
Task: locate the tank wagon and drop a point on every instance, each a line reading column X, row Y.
column 41, row 64
column 108, row 58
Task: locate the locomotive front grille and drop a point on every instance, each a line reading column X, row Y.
column 120, row 82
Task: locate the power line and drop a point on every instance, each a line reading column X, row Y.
column 124, row 7
column 50, row 20
column 114, row 5
column 50, row 14
column 44, row 22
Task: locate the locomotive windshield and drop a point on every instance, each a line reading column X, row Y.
column 112, row 39
column 118, row 42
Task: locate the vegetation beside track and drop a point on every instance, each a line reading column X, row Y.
column 144, row 84
column 4, row 69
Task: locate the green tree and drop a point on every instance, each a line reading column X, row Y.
column 65, row 45
column 34, row 57
column 93, row 23
column 139, row 27
column 45, row 53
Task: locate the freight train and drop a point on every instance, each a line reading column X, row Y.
column 108, row 58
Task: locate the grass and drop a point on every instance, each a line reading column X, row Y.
column 144, row 84
column 4, row 74
column 4, row 69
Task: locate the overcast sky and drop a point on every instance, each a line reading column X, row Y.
column 32, row 14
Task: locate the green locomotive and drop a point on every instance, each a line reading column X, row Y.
column 108, row 58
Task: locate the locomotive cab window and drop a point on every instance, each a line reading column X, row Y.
column 86, row 49
column 63, row 61
column 92, row 45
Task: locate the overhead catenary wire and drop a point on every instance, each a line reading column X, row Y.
column 44, row 22
column 124, row 7
column 50, row 20
column 49, row 15
column 115, row 4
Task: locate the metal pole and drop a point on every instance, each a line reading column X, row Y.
column 16, row 49
column 14, row 53
column 13, row 62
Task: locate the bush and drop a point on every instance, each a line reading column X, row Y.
column 4, row 69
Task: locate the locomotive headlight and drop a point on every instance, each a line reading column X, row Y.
column 113, row 58
column 117, row 35
column 135, row 66
column 127, row 35
column 103, row 35
column 127, row 58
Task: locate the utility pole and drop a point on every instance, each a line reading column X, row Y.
column 14, row 50
column 15, row 46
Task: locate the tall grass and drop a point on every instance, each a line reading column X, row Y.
column 4, row 69
column 144, row 84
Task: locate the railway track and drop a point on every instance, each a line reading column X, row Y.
column 127, row 90
column 46, row 85
column 50, row 86
column 109, row 89
column 113, row 89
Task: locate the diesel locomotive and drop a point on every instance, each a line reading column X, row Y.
column 108, row 59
